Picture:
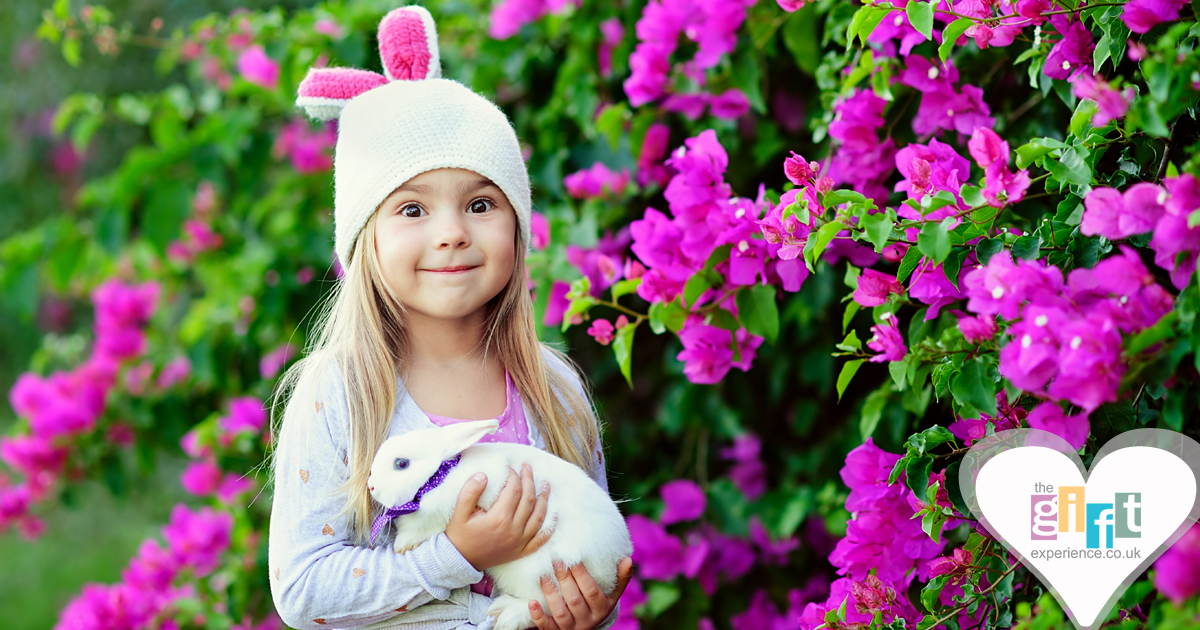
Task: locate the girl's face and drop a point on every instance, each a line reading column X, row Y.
column 446, row 242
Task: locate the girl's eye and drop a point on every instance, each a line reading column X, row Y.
column 401, row 463
column 412, row 206
column 485, row 204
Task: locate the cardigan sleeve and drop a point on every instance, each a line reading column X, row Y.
column 319, row 578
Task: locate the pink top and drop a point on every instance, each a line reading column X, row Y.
column 513, row 428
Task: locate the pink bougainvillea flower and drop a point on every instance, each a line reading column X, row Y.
column 1142, row 15
column 201, row 478
column 1049, row 416
column 1032, row 357
column 1111, row 103
column 654, row 150
column 602, row 331
column 1071, row 56
column 1176, row 246
column 1114, row 215
column 595, row 182
column 730, row 104
column 978, row 329
column 960, row 559
column 886, row 340
column 748, row 472
column 612, row 32
column 245, row 414
column 798, row 170
column 790, row 5
column 683, row 500
column 874, row 288
column 174, row 372
column 308, row 150
column 273, row 361
column 657, row 554
column 540, row 229
column 927, row 170
column 197, row 539
column 708, row 351
column 771, row 551
column 930, row 286
column 1002, row 287
column 1090, row 366
column 862, row 160
column 1177, row 571
column 257, row 68
column 557, row 305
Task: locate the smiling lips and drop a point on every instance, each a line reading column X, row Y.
column 458, row 269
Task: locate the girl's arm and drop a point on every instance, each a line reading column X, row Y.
column 318, row 578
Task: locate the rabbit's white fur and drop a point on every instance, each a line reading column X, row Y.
column 587, row 526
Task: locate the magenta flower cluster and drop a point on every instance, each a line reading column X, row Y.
column 156, row 577
column 198, row 234
column 595, row 182
column 204, row 476
column 1146, row 207
column 1067, row 334
column 713, row 26
column 68, row 404
column 309, row 150
column 508, row 16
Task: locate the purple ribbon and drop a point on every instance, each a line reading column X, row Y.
column 410, row 507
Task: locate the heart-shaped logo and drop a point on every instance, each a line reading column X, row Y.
column 1086, row 534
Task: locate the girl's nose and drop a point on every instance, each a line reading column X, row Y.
column 451, row 230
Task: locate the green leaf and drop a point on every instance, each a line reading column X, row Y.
column 1071, row 167
column 934, row 241
column 825, row 235
column 874, row 14
column 954, row 489
column 850, row 343
column 878, row 227
column 840, row 196
column 986, row 248
column 972, row 387
column 972, row 196
column 801, row 38
column 953, row 265
column 659, row 597
column 848, row 316
column 1032, row 151
column 625, row 287
column 920, row 15
column 911, row 259
column 872, row 411
column 71, row 49
column 578, row 306
column 700, row 282
column 899, row 371
column 917, row 474
column 759, row 312
column 1160, row 331
column 1027, row 247
column 611, row 123
column 667, row 316
column 929, row 439
column 622, row 346
column 950, row 34
column 847, row 374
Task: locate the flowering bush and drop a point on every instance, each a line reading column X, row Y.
column 906, row 224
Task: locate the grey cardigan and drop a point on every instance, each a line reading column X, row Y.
column 319, row 579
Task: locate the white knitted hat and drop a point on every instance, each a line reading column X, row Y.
column 393, row 128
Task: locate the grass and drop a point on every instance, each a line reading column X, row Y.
column 91, row 541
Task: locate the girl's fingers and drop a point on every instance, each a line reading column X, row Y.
column 507, row 501
column 540, row 618
column 468, row 498
column 624, row 574
column 580, row 608
column 592, row 594
column 528, row 499
column 559, row 612
column 541, row 507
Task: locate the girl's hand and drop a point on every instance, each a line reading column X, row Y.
column 505, row 532
column 580, row 605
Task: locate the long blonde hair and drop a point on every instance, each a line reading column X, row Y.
column 361, row 328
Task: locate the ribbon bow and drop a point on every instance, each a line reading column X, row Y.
column 408, row 47
column 410, row 507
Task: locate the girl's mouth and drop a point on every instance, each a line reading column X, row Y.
column 458, row 269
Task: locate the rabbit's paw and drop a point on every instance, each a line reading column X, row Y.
column 511, row 613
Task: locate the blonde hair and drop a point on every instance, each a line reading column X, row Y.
column 361, row 328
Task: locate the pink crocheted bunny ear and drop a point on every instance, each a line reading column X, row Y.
column 408, row 45
column 324, row 91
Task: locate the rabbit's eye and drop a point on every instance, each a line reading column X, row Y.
column 401, row 463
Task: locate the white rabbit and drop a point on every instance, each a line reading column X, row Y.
column 587, row 526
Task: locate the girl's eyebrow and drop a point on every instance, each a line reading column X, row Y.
column 465, row 188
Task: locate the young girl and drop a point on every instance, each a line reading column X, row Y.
column 431, row 324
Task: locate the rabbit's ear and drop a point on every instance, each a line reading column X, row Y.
column 408, row 45
column 324, row 91
column 458, row 436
